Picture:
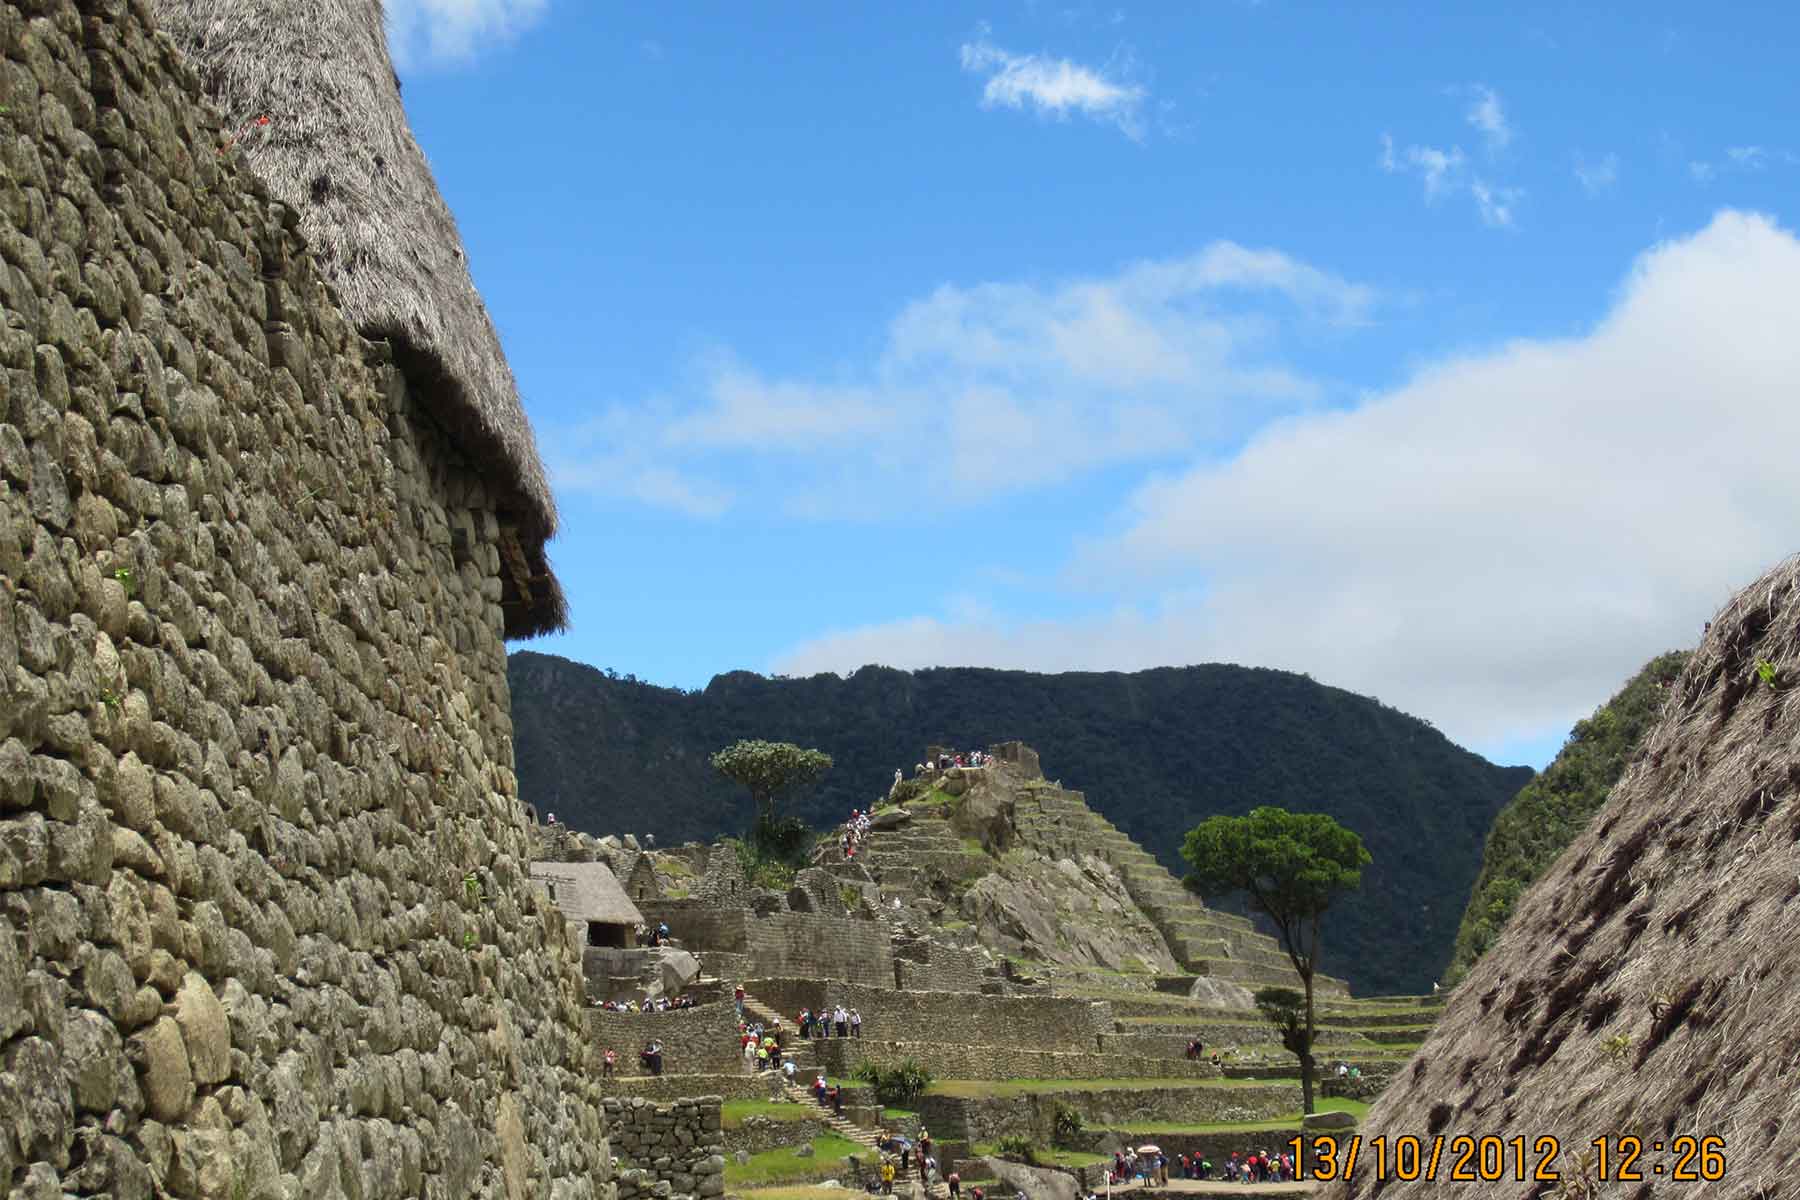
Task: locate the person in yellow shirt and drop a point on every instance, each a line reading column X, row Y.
column 887, row 1176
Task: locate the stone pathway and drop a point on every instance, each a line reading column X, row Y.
column 868, row 1139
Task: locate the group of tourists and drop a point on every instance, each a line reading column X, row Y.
column 947, row 759
column 829, row 1095
column 1259, row 1166
column 660, row 1004
column 1346, row 1071
column 651, row 1056
column 654, row 937
column 900, row 1157
column 856, row 832
column 1146, row 1166
column 829, row 1022
column 762, row 1046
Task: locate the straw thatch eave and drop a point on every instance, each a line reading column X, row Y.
column 337, row 148
column 588, row 891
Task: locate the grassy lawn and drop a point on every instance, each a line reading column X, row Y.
column 898, row 1114
column 1047, row 1156
column 733, row 1112
column 775, row 1166
column 973, row 1088
column 1284, row 1122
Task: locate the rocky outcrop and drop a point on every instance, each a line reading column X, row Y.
column 1643, row 986
column 1065, row 911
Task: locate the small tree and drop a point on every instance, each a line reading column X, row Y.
column 768, row 769
column 1285, row 1009
column 1291, row 865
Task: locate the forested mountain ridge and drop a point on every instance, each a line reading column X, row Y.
column 1551, row 811
column 1155, row 751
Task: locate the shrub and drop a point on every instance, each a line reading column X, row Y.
column 909, row 789
column 1021, row 1148
column 897, row 1085
column 1066, row 1127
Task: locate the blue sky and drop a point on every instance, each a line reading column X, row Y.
column 1443, row 352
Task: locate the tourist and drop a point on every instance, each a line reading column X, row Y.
column 818, row 1089
column 887, row 1176
column 955, row 1182
column 788, row 1068
column 608, row 1062
column 843, row 1021
column 837, row 1100
column 738, row 996
column 855, row 1023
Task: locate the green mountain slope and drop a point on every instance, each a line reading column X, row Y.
column 1155, row 751
column 1548, row 813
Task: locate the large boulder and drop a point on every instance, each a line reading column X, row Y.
column 1221, row 993
column 1040, row 1183
column 986, row 813
column 677, row 969
column 890, row 818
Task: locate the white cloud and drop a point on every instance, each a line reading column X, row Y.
column 1445, row 173
column 1495, row 203
column 1748, row 158
column 422, row 32
column 1441, row 170
column 1597, row 174
column 1496, row 544
column 1487, row 116
column 1053, row 86
column 1069, row 376
column 1702, row 172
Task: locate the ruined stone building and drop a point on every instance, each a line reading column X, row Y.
column 269, row 507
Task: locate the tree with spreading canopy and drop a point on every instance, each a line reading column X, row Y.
column 1291, row 866
column 768, row 769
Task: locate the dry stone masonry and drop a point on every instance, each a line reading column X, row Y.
column 668, row 1149
column 265, row 928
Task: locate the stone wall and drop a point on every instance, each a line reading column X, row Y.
column 703, row 1039
column 670, row 1149
column 1028, row 1022
column 950, row 1060
column 781, row 944
column 732, row 1085
column 926, row 965
column 987, row 1119
column 756, row 1134
column 254, row 722
column 1032, row 1022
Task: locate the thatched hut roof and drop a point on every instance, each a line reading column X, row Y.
column 587, row 891
column 1647, row 983
column 338, row 149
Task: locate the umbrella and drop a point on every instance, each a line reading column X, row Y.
column 1149, row 1149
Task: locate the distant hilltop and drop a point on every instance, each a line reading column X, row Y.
column 1154, row 752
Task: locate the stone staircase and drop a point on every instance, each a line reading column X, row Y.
column 1204, row 941
column 869, row 1137
column 904, row 859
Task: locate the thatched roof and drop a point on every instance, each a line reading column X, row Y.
column 587, row 891
column 337, row 148
column 1647, row 982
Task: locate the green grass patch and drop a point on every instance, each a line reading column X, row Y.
column 1283, row 1122
column 978, row 1088
column 733, row 1112
column 1045, row 1156
column 795, row 1193
column 898, row 1114
column 783, row 1165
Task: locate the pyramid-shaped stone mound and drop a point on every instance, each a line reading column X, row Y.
column 1647, row 985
